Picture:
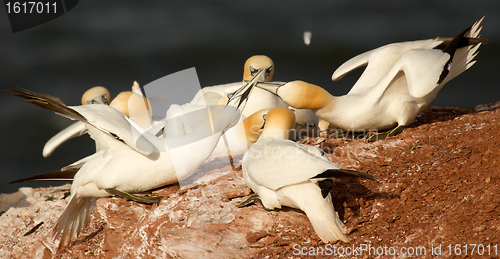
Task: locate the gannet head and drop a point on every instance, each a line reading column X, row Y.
column 257, row 63
column 135, row 106
column 240, row 96
column 96, row 95
column 127, row 102
column 253, row 125
column 300, row 95
column 277, row 123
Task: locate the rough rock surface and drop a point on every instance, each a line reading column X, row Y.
column 438, row 188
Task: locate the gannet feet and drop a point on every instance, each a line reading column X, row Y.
column 254, row 198
column 134, row 197
column 374, row 136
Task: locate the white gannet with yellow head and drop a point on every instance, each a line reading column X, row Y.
column 400, row 81
column 260, row 99
column 284, row 173
column 258, row 69
column 131, row 103
column 124, row 164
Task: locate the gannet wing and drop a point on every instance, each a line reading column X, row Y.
column 66, row 173
column 52, row 176
column 379, row 61
column 103, row 117
column 292, row 163
column 74, row 130
column 428, row 69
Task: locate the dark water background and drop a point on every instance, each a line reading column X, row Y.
column 113, row 43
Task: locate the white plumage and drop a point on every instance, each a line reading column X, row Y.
column 126, row 163
column 284, row 173
column 401, row 79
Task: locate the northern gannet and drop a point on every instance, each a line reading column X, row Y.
column 400, row 81
column 259, row 69
column 130, row 103
column 284, row 173
column 260, row 99
column 125, row 165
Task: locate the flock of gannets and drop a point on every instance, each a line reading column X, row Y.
column 401, row 79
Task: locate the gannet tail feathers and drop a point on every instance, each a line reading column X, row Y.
column 462, row 49
column 336, row 173
column 327, row 223
column 66, row 175
column 319, row 210
column 73, row 219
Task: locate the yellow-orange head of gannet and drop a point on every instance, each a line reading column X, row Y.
column 278, row 121
column 253, row 125
column 134, row 106
column 96, row 94
column 255, row 64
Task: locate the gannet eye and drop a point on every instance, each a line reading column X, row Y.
column 253, row 70
column 98, row 100
column 264, row 118
column 230, row 95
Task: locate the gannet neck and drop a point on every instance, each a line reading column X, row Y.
column 135, row 106
column 278, row 121
column 96, row 94
column 257, row 63
column 302, row 95
column 121, row 102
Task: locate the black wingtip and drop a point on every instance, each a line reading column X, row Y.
column 67, row 175
column 326, row 186
column 337, row 173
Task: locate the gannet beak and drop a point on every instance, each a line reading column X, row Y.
column 243, row 93
column 270, row 87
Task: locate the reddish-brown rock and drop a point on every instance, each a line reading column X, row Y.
column 438, row 188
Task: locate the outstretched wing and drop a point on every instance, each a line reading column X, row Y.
column 103, row 117
column 379, row 61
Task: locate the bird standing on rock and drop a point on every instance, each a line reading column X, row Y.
column 400, row 81
column 284, row 173
column 125, row 165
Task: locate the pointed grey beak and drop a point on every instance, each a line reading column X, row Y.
column 271, row 87
column 243, row 93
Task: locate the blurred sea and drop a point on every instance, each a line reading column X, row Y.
column 113, row 43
